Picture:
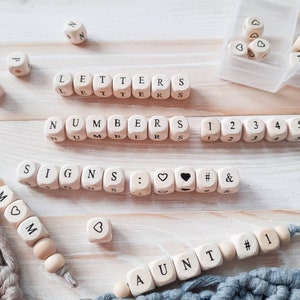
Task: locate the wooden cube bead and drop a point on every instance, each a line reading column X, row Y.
column 158, row 128
column 137, row 127
column 122, row 86
column 102, row 85
column 268, row 239
column 160, row 87
column 253, row 27
column 210, row 129
column 294, row 59
column 18, row 64
column 238, row 48
column 99, row 230
column 206, row 180
column 253, row 130
column 140, row 183
column 75, row 128
column 185, row 180
column 47, row 177
column 163, row 181
column 44, row 248
column 209, row 256
column 228, row 250
column 276, row 130
column 54, row 262
column 293, row 129
column 83, row 84
column 187, row 265
column 117, row 127
column 75, row 32
column 54, row 129
column 141, row 86
column 27, row 172
column 96, row 127
column 140, row 280
column 245, row 244
column 231, row 130
column 163, row 271
column 179, row 128
column 296, row 45
column 7, row 196
column 283, row 233
column 228, row 180
column 258, row 49
column 180, row 87
column 91, row 178
column 31, row 230
column 63, row 84
column 70, row 177
column 114, row 180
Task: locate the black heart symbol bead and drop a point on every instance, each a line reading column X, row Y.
column 250, row 53
column 260, row 44
column 98, row 227
column 239, row 47
column 162, row 176
column 15, row 211
column 255, row 22
column 185, row 176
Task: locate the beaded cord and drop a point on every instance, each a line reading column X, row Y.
column 261, row 283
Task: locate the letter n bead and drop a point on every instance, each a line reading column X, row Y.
column 75, row 32
column 54, row 129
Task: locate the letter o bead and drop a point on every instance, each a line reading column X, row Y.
column 75, row 32
column 18, row 64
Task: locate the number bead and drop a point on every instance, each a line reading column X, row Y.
column 268, row 239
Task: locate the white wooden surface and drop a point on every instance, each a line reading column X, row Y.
column 133, row 36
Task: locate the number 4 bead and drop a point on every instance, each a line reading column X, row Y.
column 276, row 130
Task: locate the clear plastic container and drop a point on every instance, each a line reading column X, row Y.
column 280, row 19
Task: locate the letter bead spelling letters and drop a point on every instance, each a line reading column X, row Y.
column 160, row 87
column 141, row 86
column 102, row 85
column 179, row 128
column 63, row 84
column 122, row 86
column 83, row 84
column 137, row 127
column 180, row 87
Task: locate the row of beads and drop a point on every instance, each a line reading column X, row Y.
column 137, row 127
column 32, row 231
column 122, row 85
column 190, row 264
column 112, row 180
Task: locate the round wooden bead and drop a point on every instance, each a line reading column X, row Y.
column 54, row 262
column 121, row 290
column 227, row 249
column 283, row 233
column 43, row 248
column 2, row 183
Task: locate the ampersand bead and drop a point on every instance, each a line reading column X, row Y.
column 44, row 248
column 54, row 262
column 227, row 249
column 283, row 233
column 121, row 290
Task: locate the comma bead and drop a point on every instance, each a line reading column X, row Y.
column 283, row 233
column 44, row 248
column 121, row 290
column 54, row 262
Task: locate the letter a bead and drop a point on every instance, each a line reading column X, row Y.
column 75, row 32
column 18, row 64
column 245, row 244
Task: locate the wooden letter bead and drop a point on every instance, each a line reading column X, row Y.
column 209, row 256
column 163, row 181
column 163, row 271
column 140, row 280
column 258, row 49
column 160, row 87
column 63, row 84
column 99, row 230
column 158, row 128
column 102, row 85
column 54, row 129
column 83, row 84
column 31, row 230
column 137, row 127
column 141, row 85
column 75, row 128
column 184, row 179
column 238, row 48
column 210, row 129
column 253, row 130
column 69, row 177
column 283, row 233
column 187, row 265
column 117, row 127
column 47, row 177
column 268, row 239
column 227, row 249
column 27, row 172
column 293, row 129
column 140, row 183
column 7, row 196
column 91, row 178
column 75, row 32
column 296, row 45
column 122, row 86
column 54, row 262
column 179, row 128
column 114, row 180
column 228, row 180
column 18, row 64
column 180, row 87
column 245, row 244
column 96, row 127
column 43, row 248
column 253, row 28
column 206, row 180
column 276, row 130
column 231, row 130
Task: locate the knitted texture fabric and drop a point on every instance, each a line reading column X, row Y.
column 9, row 281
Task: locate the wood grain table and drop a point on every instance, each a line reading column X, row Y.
column 152, row 37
